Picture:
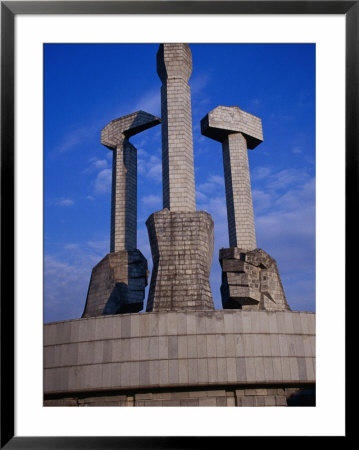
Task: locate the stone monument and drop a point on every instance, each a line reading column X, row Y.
column 250, row 277
column 182, row 352
column 118, row 281
column 181, row 238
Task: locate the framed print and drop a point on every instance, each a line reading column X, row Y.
column 318, row 44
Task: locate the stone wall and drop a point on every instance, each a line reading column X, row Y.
column 199, row 351
column 217, row 396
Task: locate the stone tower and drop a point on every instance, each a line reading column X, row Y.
column 181, row 238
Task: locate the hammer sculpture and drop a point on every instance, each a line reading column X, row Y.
column 250, row 277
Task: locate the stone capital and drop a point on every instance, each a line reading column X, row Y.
column 174, row 61
column 118, row 130
column 225, row 120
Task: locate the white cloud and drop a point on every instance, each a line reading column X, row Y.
column 150, row 166
column 103, row 181
column 73, row 139
column 109, row 157
column 155, row 172
column 101, row 172
column 216, row 206
column 212, row 184
column 287, row 178
column 101, row 247
column 200, row 197
column 152, row 201
column 262, row 200
column 300, row 292
column 71, row 246
column 64, row 202
column 260, row 173
column 65, row 289
column 285, row 228
column 198, row 83
column 96, row 164
column 297, row 150
column 67, row 276
column 302, row 192
column 149, row 102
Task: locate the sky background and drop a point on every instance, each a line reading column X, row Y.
column 88, row 85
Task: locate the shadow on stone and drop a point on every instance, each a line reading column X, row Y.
column 118, row 302
column 117, row 284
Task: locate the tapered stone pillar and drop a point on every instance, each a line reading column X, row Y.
column 237, row 131
column 174, row 67
column 118, row 281
column 181, row 238
column 250, row 277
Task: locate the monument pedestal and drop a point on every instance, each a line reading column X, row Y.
column 251, row 281
column 182, row 251
column 180, row 358
column 117, row 284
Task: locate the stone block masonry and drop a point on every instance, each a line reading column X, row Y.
column 182, row 352
column 210, row 396
column 118, row 282
column 174, row 67
column 182, row 251
column 124, row 176
column 237, row 130
column 250, row 277
column 184, row 358
column 181, row 238
column 251, row 281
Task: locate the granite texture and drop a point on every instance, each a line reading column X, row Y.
column 181, row 238
column 225, row 120
column 237, row 130
column 124, row 176
column 180, row 350
column 200, row 396
column 117, row 284
column 174, row 67
column 182, row 252
column 118, row 281
column 250, row 280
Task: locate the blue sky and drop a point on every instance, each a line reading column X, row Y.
column 88, row 85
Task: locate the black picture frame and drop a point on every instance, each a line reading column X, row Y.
column 9, row 9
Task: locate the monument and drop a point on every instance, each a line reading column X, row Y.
column 250, row 277
column 181, row 351
column 118, row 281
column 181, row 238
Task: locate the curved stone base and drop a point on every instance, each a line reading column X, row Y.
column 196, row 396
column 198, row 358
column 182, row 251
